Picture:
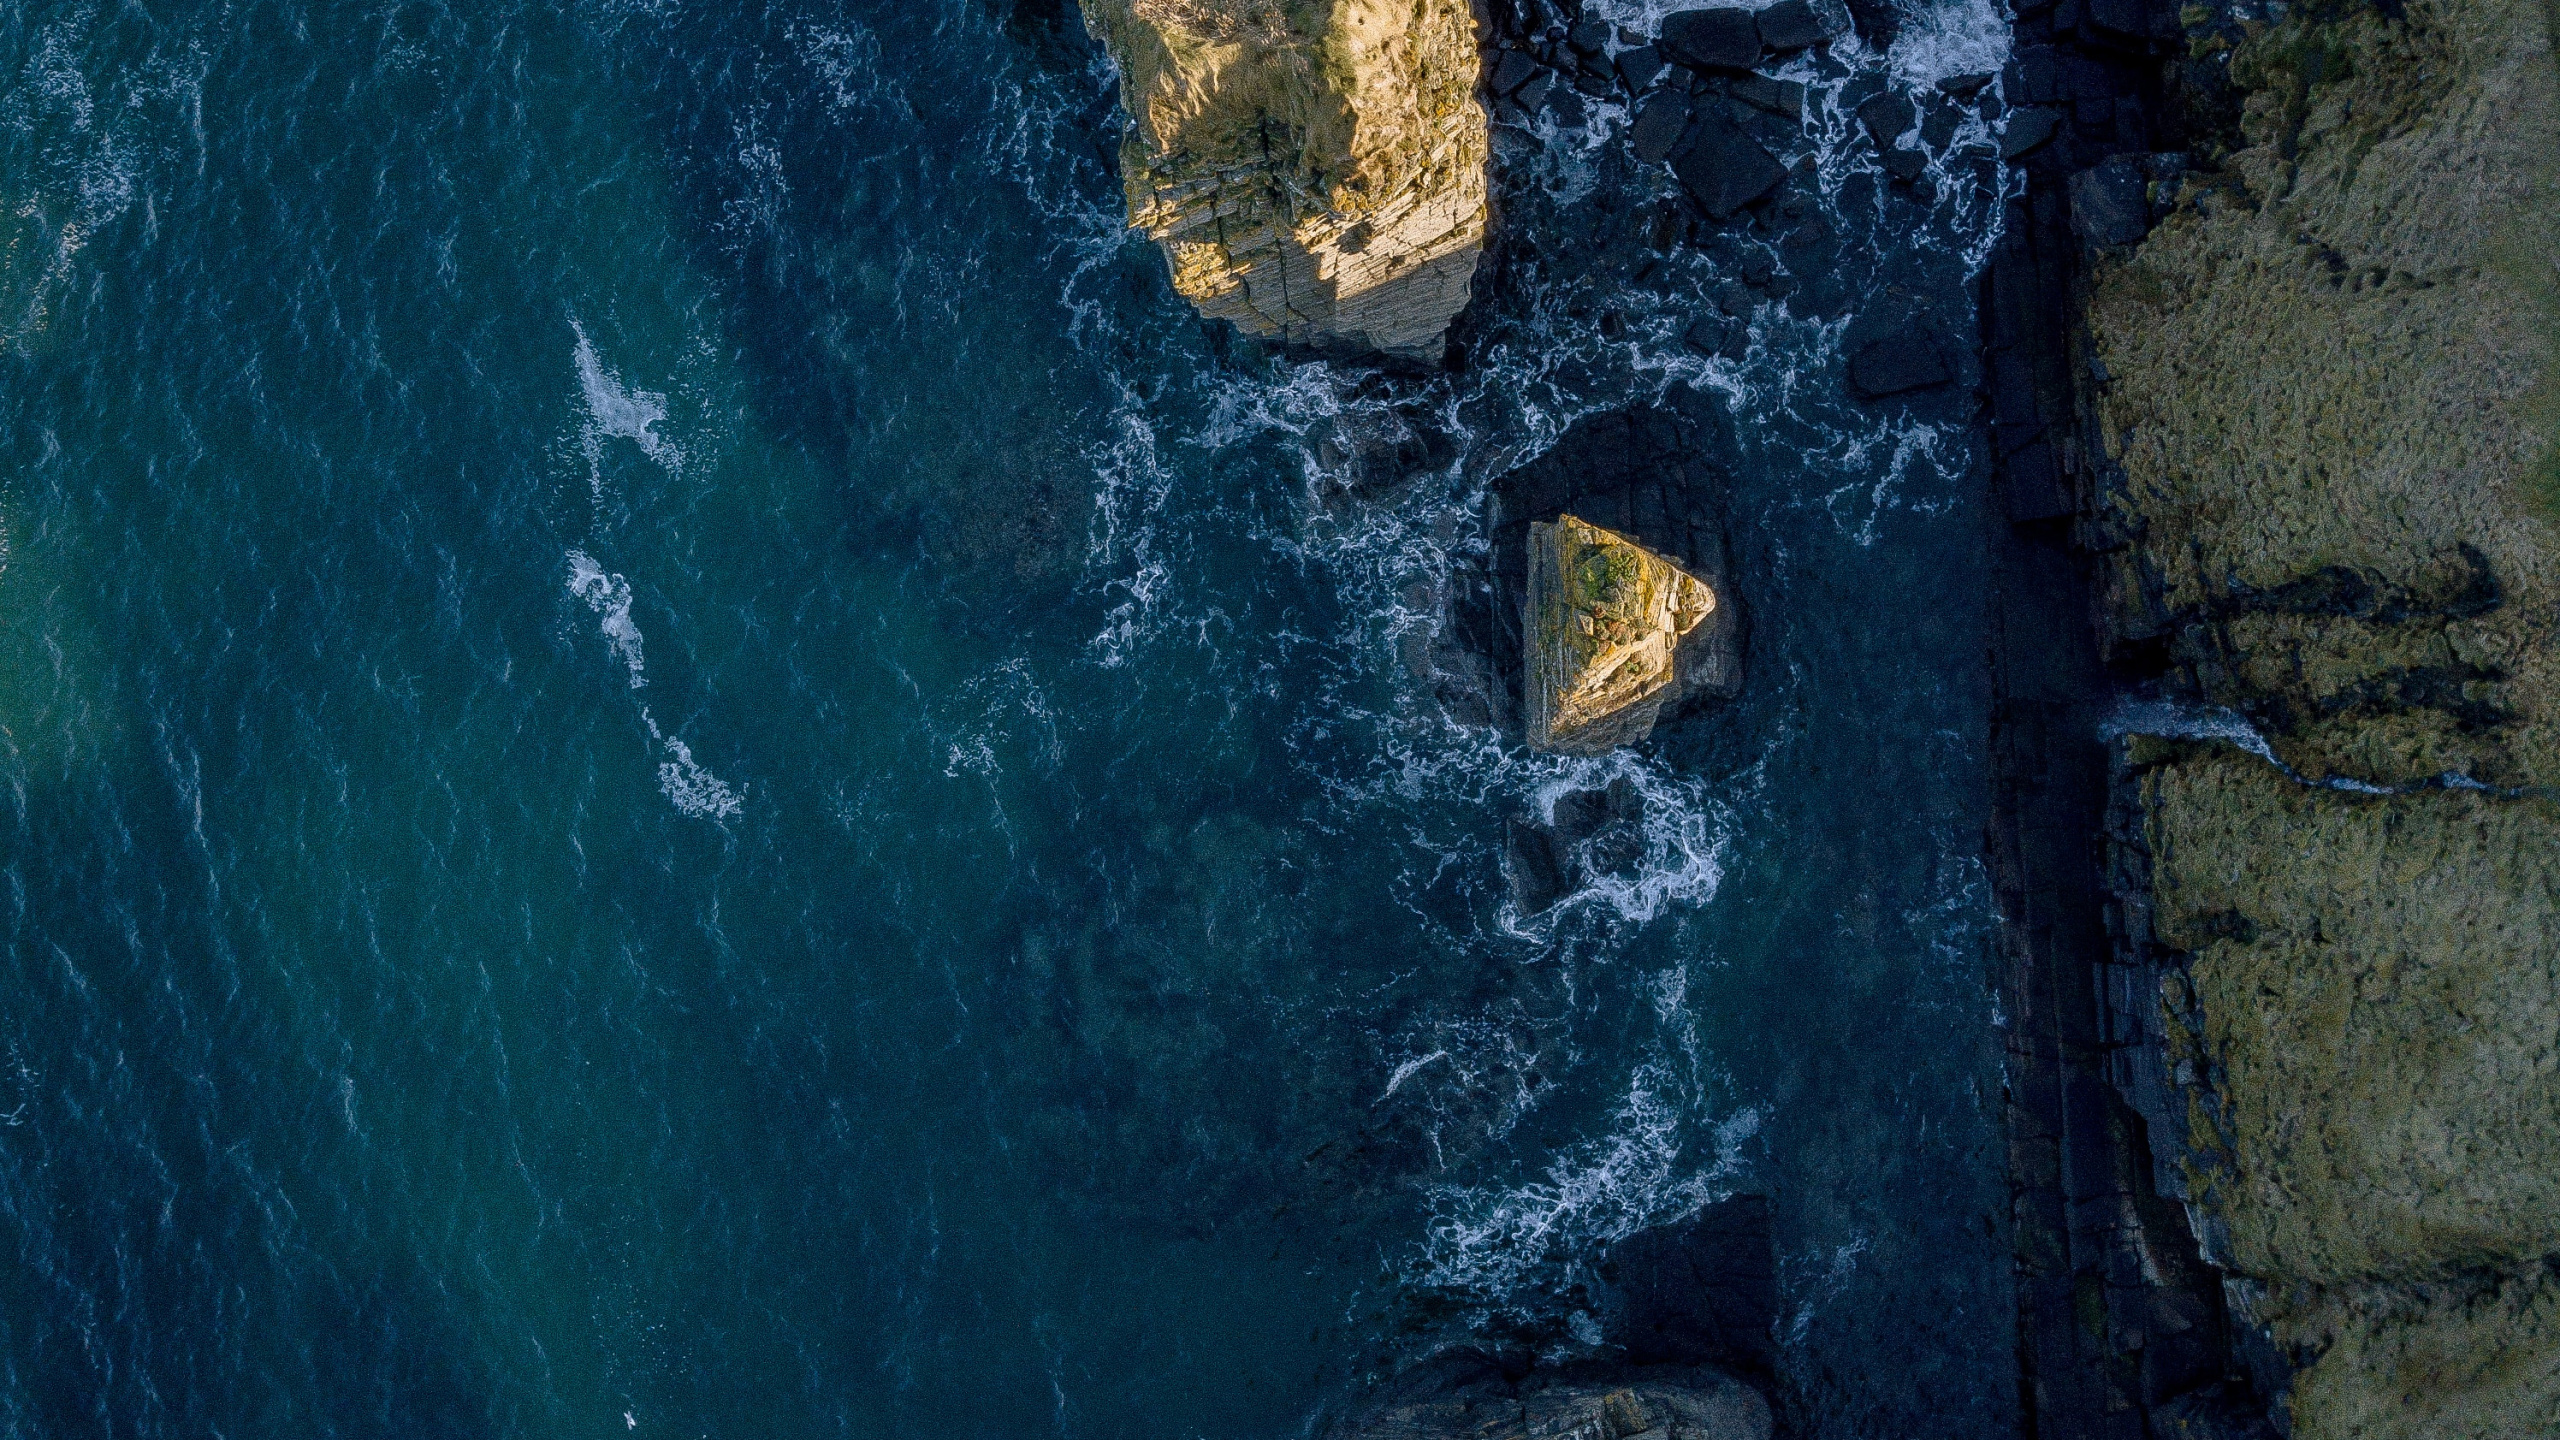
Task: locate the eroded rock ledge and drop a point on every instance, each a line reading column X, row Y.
column 1314, row 169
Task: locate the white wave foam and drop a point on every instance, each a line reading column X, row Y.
column 695, row 791
column 1948, row 39
column 1647, row 1170
column 610, row 597
column 614, row 410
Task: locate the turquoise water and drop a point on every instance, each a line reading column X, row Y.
column 681, row 759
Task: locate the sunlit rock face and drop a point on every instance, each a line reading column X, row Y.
column 1314, row 171
column 1603, row 622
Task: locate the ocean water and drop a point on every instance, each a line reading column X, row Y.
column 682, row 759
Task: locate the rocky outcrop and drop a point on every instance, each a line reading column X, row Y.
column 2312, row 455
column 1676, row 1405
column 1604, row 621
column 1314, row 172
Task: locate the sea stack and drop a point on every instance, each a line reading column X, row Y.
column 1314, row 172
column 1603, row 622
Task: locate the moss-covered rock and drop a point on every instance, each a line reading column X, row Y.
column 2380, row 981
column 1314, row 169
column 2323, row 389
column 1602, row 626
column 2324, row 383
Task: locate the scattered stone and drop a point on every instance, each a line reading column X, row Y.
column 1590, row 37
column 1965, row 87
column 1778, row 97
column 1511, row 72
column 1795, row 25
column 1717, row 335
column 1658, row 128
column 1906, row 166
column 1534, row 94
column 2026, row 130
column 2109, row 203
column 1938, row 121
column 1723, row 166
column 1876, row 21
column 1603, row 622
column 1598, row 87
column 1639, row 66
column 1908, row 359
column 1716, row 39
column 1888, row 115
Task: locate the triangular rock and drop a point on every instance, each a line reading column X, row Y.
column 1602, row 627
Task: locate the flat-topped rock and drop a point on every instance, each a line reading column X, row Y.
column 1602, row 624
column 1314, row 173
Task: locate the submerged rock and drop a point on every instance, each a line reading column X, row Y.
column 1603, row 624
column 1316, row 174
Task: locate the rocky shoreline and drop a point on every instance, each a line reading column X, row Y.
column 2265, row 362
column 2283, row 1122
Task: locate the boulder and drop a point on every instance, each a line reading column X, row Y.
column 1722, row 165
column 2110, row 203
column 1795, row 25
column 1722, row 38
column 1658, row 128
column 1603, row 621
column 1317, row 175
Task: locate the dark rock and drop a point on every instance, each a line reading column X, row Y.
column 1724, row 168
column 1965, row 87
column 1876, row 21
column 1656, row 474
column 1511, row 72
column 1908, row 359
column 1887, row 114
column 1638, row 66
column 1715, row 335
column 1658, row 128
column 1534, row 94
column 1534, row 865
column 1716, row 39
column 1596, row 86
column 1367, row 452
column 2109, row 203
column 1703, row 1290
column 2026, row 130
column 1795, row 25
column 1778, row 97
column 1938, row 122
column 1591, row 37
column 1906, row 166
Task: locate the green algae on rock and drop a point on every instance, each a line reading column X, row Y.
column 1313, row 169
column 1603, row 621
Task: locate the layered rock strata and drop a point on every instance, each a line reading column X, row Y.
column 1604, row 621
column 1314, row 172
column 2309, row 447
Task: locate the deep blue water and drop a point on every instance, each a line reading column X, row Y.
column 681, row 759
